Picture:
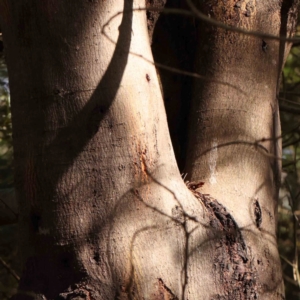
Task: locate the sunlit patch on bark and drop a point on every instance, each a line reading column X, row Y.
column 213, row 157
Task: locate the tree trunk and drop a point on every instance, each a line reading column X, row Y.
column 104, row 212
column 234, row 144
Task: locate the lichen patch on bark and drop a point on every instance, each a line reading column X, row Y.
column 246, row 7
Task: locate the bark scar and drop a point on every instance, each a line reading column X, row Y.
column 232, row 261
column 165, row 291
column 78, row 293
column 257, row 213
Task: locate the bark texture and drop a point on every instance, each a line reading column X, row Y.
column 95, row 171
column 104, row 212
column 234, row 136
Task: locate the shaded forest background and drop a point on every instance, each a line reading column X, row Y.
column 289, row 206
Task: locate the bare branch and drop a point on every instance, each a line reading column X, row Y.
column 258, row 34
column 195, row 13
column 9, row 269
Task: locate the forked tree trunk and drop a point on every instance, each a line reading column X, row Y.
column 104, row 212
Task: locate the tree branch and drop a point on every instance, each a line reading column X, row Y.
column 9, row 269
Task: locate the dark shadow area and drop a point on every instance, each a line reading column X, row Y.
column 173, row 46
column 9, row 261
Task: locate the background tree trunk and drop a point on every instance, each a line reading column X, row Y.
column 104, row 212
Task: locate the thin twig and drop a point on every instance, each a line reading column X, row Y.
column 195, row 13
column 9, row 269
column 163, row 66
column 9, row 208
column 222, row 25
